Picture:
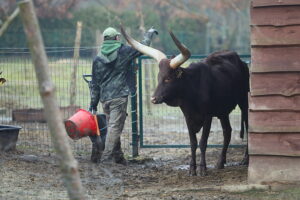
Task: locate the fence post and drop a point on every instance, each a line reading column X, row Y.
column 75, row 66
column 141, row 125
column 134, row 126
column 147, row 88
column 68, row 164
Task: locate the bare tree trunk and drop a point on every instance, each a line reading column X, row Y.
column 99, row 38
column 8, row 21
column 68, row 164
column 207, row 40
column 76, row 62
column 147, row 69
column 140, row 16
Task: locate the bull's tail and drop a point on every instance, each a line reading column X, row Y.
column 244, row 122
column 243, row 103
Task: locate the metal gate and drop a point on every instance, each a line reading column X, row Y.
column 161, row 126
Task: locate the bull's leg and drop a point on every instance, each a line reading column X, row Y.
column 193, row 142
column 194, row 123
column 244, row 110
column 227, row 137
column 203, row 145
column 245, row 160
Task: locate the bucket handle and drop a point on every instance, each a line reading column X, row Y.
column 97, row 125
column 85, row 76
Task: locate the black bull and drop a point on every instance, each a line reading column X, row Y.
column 203, row 90
column 211, row 88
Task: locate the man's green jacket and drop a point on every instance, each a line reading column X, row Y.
column 112, row 73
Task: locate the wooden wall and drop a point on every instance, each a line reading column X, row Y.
column 274, row 101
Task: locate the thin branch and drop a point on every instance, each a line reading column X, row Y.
column 8, row 21
column 181, row 7
column 109, row 11
column 140, row 16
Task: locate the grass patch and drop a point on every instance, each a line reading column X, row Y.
column 288, row 194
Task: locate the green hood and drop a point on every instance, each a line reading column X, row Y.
column 109, row 46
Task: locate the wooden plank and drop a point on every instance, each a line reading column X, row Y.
column 263, row 3
column 37, row 115
column 281, row 144
column 274, row 103
column 275, row 59
column 274, row 122
column 274, row 36
column 285, row 84
column 276, row 16
column 273, row 168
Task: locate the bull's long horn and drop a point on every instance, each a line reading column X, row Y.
column 181, row 58
column 149, row 51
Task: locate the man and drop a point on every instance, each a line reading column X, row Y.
column 110, row 84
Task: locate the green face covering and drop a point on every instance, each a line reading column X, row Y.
column 109, row 46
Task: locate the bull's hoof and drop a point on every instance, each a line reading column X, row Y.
column 96, row 157
column 203, row 172
column 245, row 161
column 193, row 172
column 220, row 165
column 95, row 160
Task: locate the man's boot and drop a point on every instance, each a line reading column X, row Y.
column 96, row 152
column 119, row 158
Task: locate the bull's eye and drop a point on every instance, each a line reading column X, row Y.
column 167, row 80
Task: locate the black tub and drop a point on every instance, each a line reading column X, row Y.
column 8, row 137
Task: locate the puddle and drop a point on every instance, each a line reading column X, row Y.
column 187, row 167
column 182, row 167
column 29, row 158
column 232, row 164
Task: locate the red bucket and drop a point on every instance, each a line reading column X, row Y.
column 81, row 124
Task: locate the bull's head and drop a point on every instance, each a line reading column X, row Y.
column 170, row 73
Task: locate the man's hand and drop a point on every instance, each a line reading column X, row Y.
column 149, row 34
column 152, row 30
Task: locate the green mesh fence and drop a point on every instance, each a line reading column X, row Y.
column 20, row 103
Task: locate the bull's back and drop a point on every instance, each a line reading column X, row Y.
column 230, row 81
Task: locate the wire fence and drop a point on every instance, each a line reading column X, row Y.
column 160, row 126
column 21, row 105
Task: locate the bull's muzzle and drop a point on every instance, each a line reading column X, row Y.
column 156, row 100
column 153, row 100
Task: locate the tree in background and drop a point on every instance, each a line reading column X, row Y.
column 55, row 10
column 203, row 25
column 45, row 8
column 208, row 24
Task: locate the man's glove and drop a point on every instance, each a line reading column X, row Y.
column 152, row 30
column 149, row 34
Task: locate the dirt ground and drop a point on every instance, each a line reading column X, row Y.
column 155, row 174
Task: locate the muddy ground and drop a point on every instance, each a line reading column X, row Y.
column 156, row 174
